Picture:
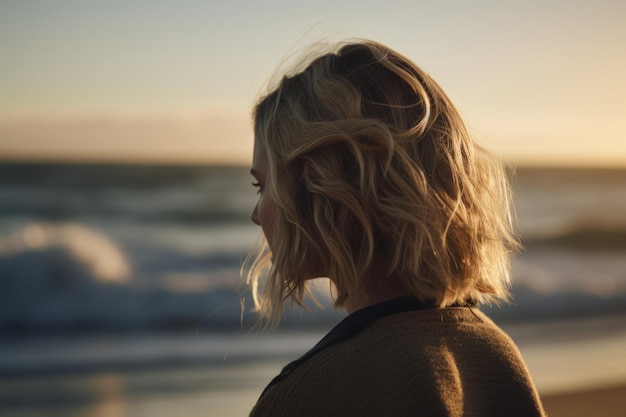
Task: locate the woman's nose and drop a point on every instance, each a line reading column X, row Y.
column 254, row 216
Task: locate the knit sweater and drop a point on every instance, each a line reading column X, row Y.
column 401, row 359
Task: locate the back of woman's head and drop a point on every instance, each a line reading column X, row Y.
column 370, row 164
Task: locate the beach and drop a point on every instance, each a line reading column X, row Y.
column 605, row 401
column 579, row 366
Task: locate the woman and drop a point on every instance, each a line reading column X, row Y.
column 366, row 175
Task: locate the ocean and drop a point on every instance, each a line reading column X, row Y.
column 120, row 288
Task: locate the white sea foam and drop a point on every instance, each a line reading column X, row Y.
column 173, row 238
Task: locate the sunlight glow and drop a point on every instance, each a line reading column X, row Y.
column 115, row 82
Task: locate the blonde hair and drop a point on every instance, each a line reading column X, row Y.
column 369, row 161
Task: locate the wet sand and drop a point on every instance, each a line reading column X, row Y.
column 605, row 402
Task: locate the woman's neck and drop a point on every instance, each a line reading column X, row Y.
column 378, row 288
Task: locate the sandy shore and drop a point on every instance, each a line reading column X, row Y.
column 605, row 402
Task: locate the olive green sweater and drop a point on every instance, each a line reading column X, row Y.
column 402, row 359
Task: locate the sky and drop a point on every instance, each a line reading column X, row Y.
column 538, row 82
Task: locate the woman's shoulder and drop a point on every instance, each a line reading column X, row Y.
column 438, row 338
column 412, row 342
column 415, row 360
column 422, row 327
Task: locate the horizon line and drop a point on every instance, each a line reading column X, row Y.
column 236, row 162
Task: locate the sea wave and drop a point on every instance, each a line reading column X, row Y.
column 106, row 248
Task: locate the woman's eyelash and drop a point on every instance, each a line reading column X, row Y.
column 256, row 184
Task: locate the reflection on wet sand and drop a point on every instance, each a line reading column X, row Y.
column 109, row 396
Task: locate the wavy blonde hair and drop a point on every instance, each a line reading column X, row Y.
column 369, row 161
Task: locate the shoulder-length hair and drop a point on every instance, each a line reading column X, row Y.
column 370, row 162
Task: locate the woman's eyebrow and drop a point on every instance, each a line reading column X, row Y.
column 254, row 172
